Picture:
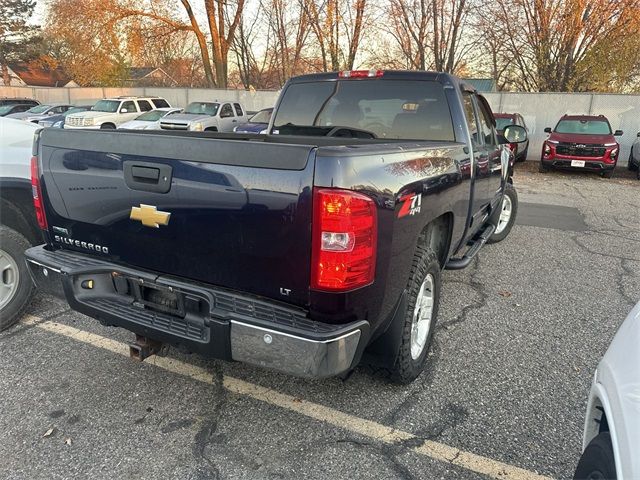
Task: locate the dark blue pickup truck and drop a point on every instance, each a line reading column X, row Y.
column 298, row 250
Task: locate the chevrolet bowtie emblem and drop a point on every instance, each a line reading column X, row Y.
column 149, row 216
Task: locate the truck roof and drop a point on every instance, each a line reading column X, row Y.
column 444, row 78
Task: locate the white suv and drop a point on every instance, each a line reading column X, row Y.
column 109, row 113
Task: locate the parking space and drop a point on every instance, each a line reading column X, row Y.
column 519, row 335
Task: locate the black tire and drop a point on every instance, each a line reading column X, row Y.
column 510, row 192
column 211, row 129
column 107, row 126
column 630, row 163
column 607, row 174
column 597, row 460
column 425, row 262
column 13, row 245
column 542, row 168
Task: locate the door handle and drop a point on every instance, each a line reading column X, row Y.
column 234, row 121
column 147, row 176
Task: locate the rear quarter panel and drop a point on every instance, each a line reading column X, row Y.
column 437, row 173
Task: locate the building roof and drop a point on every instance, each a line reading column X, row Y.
column 482, row 84
column 36, row 75
column 136, row 73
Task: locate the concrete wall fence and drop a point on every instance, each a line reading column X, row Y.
column 539, row 110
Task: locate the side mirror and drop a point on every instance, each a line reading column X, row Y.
column 123, row 110
column 618, row 133
column 638, row 134
column 547, row 130
column 514, row 134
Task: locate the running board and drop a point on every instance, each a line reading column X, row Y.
column 460, row 263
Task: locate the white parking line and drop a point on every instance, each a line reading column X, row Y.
column 376, row 431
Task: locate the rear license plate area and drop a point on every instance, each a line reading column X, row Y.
column 160, row 299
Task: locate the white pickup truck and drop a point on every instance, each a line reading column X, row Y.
column 207, row 117
column 109, row 113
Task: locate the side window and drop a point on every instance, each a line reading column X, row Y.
column 160, row 103
column 130, row 106
column 226, row 111
column 471, row 118
column 144, row 106
column 485, row 125
column 238, row 109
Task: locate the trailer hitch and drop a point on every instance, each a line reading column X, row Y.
column 143, row 347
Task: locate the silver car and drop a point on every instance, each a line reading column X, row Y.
column 40, row 112
column 611, row 440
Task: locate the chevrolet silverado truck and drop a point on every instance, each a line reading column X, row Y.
column 206, row 117
column 581, row 142
column 298, row 250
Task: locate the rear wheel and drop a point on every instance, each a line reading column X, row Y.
column 507, row 216
column 107, row 126
column 16, row 286
column 523, row 156
column 630, row 163
column 597, row 461
column 423, row 299
column 607, row 174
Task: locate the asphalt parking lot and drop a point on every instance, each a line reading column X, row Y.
column 519, row 335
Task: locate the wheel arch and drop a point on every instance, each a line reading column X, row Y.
column 16, row 210
column 437, row 234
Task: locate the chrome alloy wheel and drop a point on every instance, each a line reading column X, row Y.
column 9, row 278
column 422, row 313
column 505, row 214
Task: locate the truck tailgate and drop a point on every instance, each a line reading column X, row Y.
column 230, row 213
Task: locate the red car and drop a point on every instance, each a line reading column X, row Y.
column 503, row 120
column 581, row 142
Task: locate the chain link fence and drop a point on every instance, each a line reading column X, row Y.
column 539, row 110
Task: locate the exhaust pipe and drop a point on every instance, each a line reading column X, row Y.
column 143, row 348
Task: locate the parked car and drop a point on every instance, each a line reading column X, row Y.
column 634, row 156
column 611, row 439
column 258, row 123
column 150, row 119
column 15, row 101
column 39, row 112
column 520, row 150
column 57, row 121
column 206, row 117
column 18, row 224
column 293, row 251
column 10, row 108
column 109, row 113
column 583, row 142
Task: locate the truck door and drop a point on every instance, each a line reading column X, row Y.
column 227, row 118
column 491, row 152
column 480, row 163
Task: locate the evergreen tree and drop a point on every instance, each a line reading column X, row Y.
column 17, row 37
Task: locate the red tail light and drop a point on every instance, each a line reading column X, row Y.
column 345, row 231
column 37, row 194
column 360, row 73
column 513, row 147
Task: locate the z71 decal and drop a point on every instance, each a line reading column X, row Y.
column 410, row 205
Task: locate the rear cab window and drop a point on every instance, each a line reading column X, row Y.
column 393, row 109
column 238, row 108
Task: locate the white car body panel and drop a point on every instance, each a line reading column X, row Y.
column 616, row 389
column 16, row 143
column 145, row 125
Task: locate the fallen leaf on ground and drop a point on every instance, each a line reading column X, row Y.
column 67, row 441
column 49, row 432
column 504, row 293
